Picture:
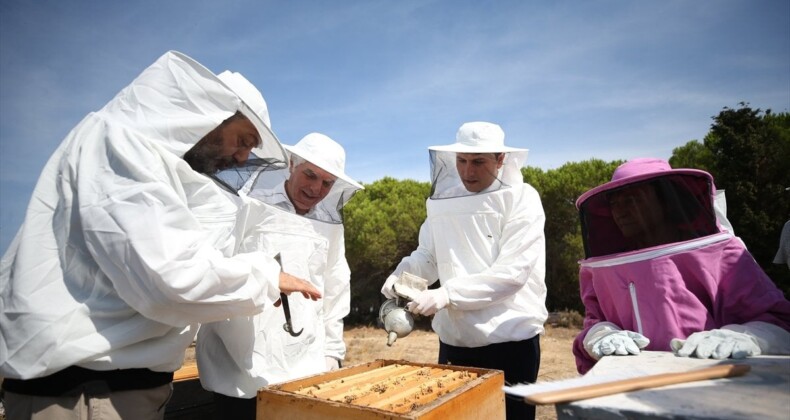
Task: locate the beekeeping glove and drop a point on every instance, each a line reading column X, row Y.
column 734, row 341
column 331, row 363
column 386, row 290
column 428, row 302
column 605, row 339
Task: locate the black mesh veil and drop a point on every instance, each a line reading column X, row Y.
column 236, row 178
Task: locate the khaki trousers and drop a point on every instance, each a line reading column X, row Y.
column 141, row 404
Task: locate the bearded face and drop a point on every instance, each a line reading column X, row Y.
column 229, row 144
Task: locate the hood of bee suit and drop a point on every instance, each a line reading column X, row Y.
column 248, row 93
column 686, row 198
column 474, row 137
column 325, row 153
column 176, row 101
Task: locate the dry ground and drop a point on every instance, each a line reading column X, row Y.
column 365, row 344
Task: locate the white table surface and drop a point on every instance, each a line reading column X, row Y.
column 763, row 393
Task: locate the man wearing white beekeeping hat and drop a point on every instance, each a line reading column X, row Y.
column 483, row 241
column 298, row 217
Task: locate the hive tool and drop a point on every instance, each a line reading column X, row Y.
column 288, row 326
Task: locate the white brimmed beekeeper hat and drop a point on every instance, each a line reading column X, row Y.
column 325, row 153
column 473, row 137
column 478, row 137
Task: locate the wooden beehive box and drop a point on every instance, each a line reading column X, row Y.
column 389, row 389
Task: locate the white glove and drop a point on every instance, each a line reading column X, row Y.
column 386, row 290
column 716, row 344
column 331, row 363
column 606, row 339
column 429, row 302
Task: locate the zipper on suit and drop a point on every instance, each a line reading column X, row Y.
column 632, row 291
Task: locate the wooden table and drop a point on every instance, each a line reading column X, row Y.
column 763, row 393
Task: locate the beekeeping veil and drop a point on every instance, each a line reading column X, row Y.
column 476, row 138
column 328, row 155
column 233, row 179
column 686, row 198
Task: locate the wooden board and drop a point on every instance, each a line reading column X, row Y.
column 188, row 371
column 635, row 384
column 387, row 389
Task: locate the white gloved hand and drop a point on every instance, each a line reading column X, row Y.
column 429, row 302
column 618, row 343
column 386, row 290
column 331, row 363
column 716, row 344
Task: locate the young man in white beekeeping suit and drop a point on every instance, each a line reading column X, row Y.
column 483, row 241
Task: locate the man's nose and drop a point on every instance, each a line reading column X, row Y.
column 315, row 186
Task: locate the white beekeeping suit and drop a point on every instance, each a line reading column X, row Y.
column 486, row 248
column 238, row 356
column 483, row 241
column 125, row 248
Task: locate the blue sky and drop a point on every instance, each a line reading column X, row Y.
column 569, row 80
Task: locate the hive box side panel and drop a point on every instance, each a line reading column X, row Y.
column 483, row 399
column 277, row 405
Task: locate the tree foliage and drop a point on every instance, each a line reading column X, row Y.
column 559, row 189
column 748, row 153
column 692, row 155
column 382, row 223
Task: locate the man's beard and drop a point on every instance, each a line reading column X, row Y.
column 205, row 156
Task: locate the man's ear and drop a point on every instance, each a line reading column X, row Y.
column 500, row 160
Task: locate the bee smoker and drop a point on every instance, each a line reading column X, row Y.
column 397, row 321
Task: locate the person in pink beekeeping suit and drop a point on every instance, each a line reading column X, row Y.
column 661, row 272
